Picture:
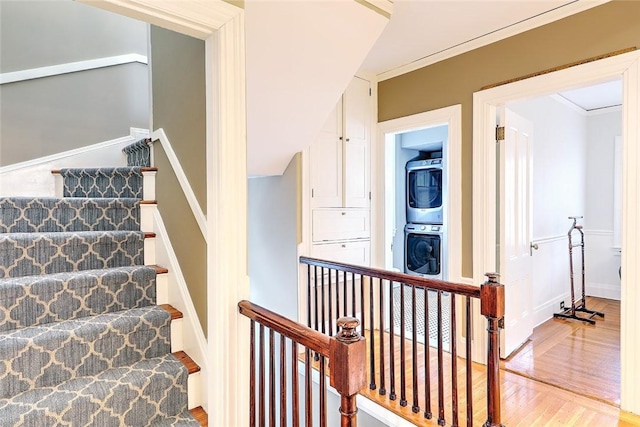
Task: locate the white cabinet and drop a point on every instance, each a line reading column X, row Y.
column 339, row 177
column 339, row 158
column 356, row 252
column 340, row 224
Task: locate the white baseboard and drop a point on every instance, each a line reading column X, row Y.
column 193, row 339
column 603, row 290
column 71, row 67
column 544, row 312
column 33, row 177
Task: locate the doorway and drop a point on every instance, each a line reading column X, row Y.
column 572, row 153
column 485, row 195
column 389, row 235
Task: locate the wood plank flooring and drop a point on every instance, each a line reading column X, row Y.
column 525, row 401
column 576, row 356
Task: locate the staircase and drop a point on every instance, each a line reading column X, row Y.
column 83, row 341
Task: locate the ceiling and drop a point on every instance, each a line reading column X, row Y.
column 420, row 29
column 596, row 97
column 301, row 55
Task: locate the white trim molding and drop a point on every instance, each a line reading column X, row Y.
column 195, row 343
column 71, row 67
column 221, row 25
column 135, row 135
column 201, row 219
column 485, row 104
column 537, row 21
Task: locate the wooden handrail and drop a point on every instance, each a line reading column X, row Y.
column 421, row 282
column 369, row 292
column 492, row 307
column 345, row 353
column 313, row 340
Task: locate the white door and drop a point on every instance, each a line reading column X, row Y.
column 357, row 111
column 515, row 225
column 325, row 160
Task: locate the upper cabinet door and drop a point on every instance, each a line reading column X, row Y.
column 357, row 114
column 326, row 163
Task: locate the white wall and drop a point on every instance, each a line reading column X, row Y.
column 601, row 260
column 559, row 169
column 273, row 262
column 402, row 157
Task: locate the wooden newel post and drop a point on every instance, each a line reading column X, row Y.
column 347, row 353
column 492, row 307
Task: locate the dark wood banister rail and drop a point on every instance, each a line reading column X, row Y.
column 491, row 296
column 345, row 352
column 438, row 285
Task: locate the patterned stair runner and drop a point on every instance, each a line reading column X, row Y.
column 49, row 215
column 37, row 300
column 82, row 341
column 138, row 153
column 103, row 182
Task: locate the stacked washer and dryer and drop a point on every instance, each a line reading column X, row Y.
column 425, row 228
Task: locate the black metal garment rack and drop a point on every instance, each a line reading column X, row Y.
column 570, row 312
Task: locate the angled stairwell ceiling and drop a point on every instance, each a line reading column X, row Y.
column 300, row 58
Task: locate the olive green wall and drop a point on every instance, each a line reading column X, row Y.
column 603, row 29
column 178, row 97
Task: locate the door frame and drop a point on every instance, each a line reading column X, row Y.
column 485, row 105
column 387, row 130
column 221, row 25
column 381, row 207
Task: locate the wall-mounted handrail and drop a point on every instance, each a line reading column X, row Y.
column 201, row 219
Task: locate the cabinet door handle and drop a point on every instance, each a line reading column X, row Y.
column 344, row 246
column 343, row 213
column 347, row 139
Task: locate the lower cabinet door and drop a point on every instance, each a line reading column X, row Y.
column 353, row 252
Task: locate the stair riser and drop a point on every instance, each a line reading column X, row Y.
column 148, row 185
column 102, row 182
column 22, row 215
column 31, row 301
column 29, row 255
column 48, row 355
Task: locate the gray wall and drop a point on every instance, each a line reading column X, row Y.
column 53, row 114
column 273, row 239
column 178, row 92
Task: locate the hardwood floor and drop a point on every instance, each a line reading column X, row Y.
column 525, row 401
column 574, row 355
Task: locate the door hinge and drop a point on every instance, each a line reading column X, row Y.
column 369, row 195
column 369, row 91
column 312, row 192
column 499, row 133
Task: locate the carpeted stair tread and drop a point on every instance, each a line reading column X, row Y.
column 36, row 300
column 28, row 254
column 102, row 182
column 43, row 215
column 141, row 394
column 45, row 355
column 184, row 419
column 138, row 153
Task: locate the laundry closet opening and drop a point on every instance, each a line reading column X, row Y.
column 419, row 228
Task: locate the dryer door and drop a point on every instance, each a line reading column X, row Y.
column 423, row 254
